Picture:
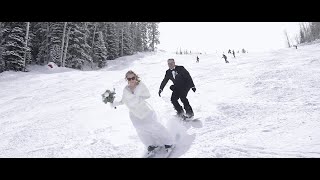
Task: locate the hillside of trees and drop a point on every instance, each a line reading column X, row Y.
column 72, row 44
column 309, row 32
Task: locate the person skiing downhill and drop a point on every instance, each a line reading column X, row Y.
column 150, row 131
column 225, row 58
column 182, row 84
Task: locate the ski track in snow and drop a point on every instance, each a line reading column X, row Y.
column 259, row 105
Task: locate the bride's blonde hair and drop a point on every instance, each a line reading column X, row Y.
column 131, row 72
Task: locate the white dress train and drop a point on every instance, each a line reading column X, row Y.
column 143, row 117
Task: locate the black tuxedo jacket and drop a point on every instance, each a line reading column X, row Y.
column 182, row 80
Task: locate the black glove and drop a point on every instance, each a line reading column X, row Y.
column 194, row 89
column 159, row 92
column 172, row 87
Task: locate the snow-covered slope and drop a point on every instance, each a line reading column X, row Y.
column 259, row 105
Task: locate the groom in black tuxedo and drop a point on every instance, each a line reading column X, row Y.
column 182, row 83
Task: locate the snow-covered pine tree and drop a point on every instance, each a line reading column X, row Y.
column 55, row 40
column 120, row 34
column 138, row 38
column 153, row 35
column 2, row 63
column 35, row 39
column 127, row 40
column 302, row 37
column 315, row 30
column 28, row 55
column 92, row 38
column 90, row 34
column 99, row 50
column 111, row 40
column 144, row 36
column 41, row 49
column 306, row 32
column 134, row 33
column 78, row 49
column 13, row 43
column 88, row 27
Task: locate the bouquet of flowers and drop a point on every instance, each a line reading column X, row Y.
column 108, row 96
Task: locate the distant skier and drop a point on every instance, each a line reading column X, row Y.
column 152, row 134
column 197, row 59
column 295, row 46
column 229, row 52
column 225, row 58
column 182, row 84
column 234, row 55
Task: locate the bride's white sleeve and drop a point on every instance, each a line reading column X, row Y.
column 144, row 93
column 118, row 103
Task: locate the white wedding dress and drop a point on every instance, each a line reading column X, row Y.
column 143, row 117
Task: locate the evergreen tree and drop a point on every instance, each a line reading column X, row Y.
column 100, row 50
column 120, row 32
column 309, row 32
column 41, row 42
column 153, row 35
column 127, row 40
column 302, row 38
column 89, row 28
column 111, row 40
column 55, row 40
column 91, row 38
column 2, row 63
column 78, row 49
column 144, row 36
column 315, row 30
column 138, row 38
column 34, row 41
column 13, row 43
column 133, row 33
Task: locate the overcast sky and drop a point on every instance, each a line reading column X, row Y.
column 212, row 36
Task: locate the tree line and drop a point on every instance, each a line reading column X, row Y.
column 309, row 31
column 72, row 44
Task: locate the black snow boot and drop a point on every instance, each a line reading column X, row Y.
column 152, row 148
column 168, row 147
column 180, row 113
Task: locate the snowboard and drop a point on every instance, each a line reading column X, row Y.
column 188, row 119
column 160, row 153
column 193, row 121
column 193, row 118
